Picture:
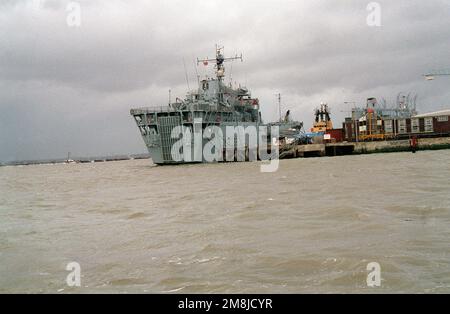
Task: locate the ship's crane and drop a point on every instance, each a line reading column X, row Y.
column 219, row 61
column 432, row 74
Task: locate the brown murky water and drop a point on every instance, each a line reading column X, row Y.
column 313, row 226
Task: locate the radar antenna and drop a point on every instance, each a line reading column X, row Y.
column 219, row 61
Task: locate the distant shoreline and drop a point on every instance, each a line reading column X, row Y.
column 75, row 160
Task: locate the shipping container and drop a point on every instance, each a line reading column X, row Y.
column 422, row 125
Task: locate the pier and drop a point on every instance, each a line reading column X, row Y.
column 350, row 148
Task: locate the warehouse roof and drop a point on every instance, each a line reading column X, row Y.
column 434, row 114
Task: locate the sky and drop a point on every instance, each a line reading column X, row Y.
column 70, row 71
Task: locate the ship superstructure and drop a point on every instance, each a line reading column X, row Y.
column 213, row 104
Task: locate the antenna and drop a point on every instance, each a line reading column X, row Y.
column 219, row 61
column 279, row 105
column 231, row 74
column 185, row 72
column 196, row 71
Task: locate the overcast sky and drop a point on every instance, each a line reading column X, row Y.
column 66, row 88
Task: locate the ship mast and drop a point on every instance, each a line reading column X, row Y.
column 219, row 61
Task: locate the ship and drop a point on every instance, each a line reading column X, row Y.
column 213, row 105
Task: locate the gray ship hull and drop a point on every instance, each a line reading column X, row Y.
column 156, row 129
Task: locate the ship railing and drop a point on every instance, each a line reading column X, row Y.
column 179, row 107
column 152, row 109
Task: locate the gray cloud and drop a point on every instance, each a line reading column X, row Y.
column 66, row 88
